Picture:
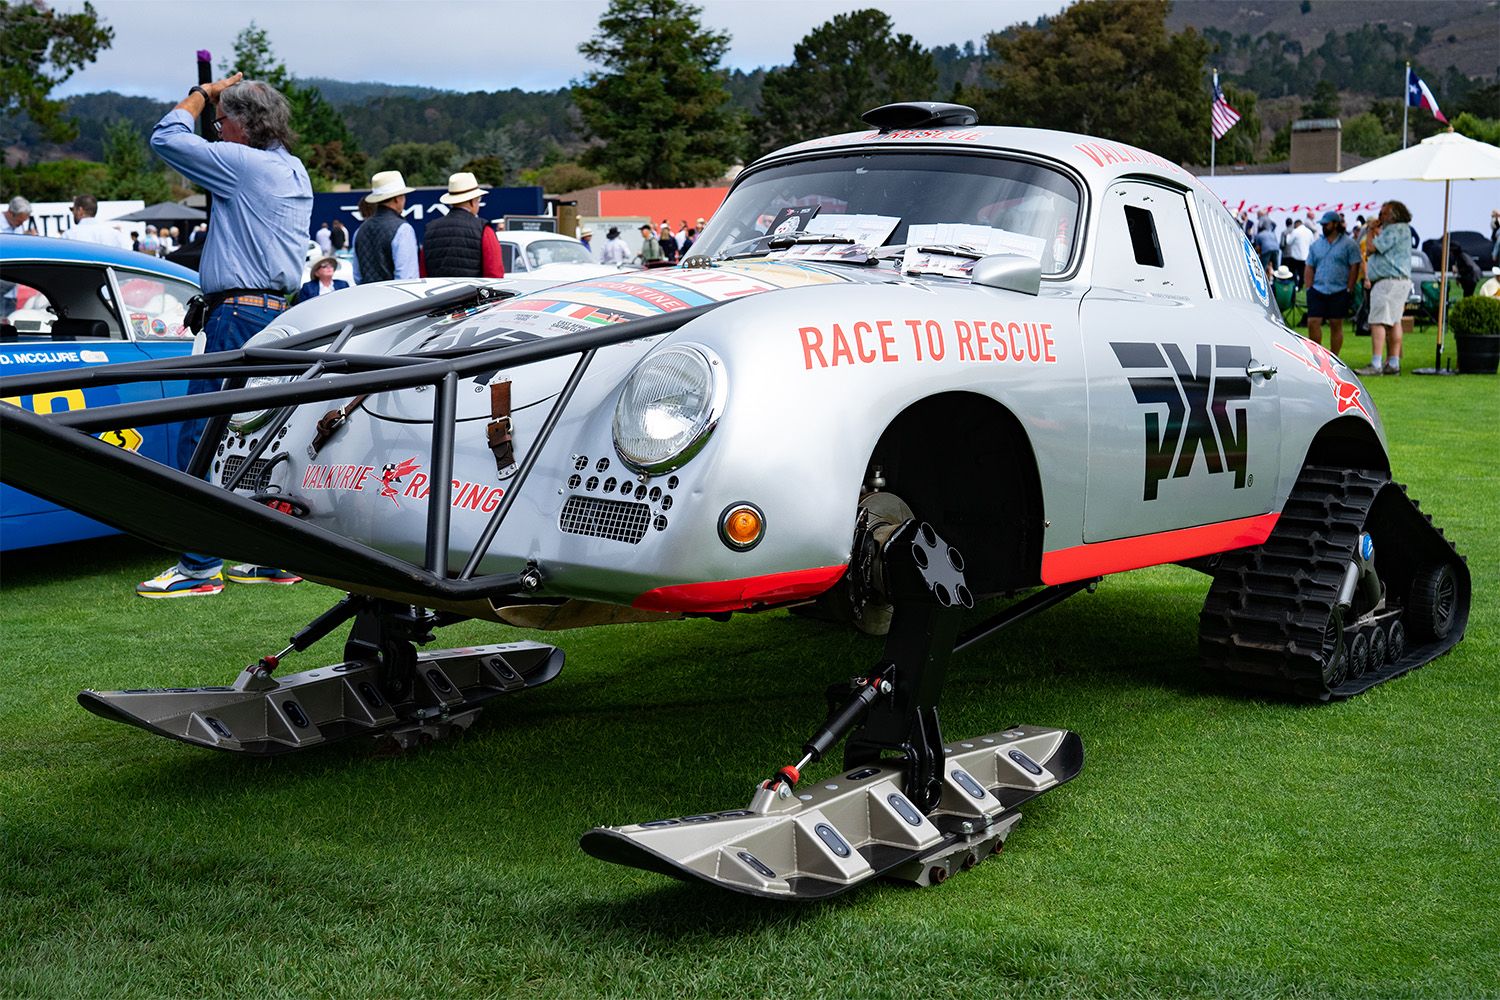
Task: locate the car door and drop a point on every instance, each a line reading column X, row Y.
column 1180, row 433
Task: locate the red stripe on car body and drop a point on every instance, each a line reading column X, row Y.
column 1117, row 555
column 732, row 595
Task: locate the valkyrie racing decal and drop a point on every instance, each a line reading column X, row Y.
column 1345, row 392
column 1206, row 409
column 397, row 480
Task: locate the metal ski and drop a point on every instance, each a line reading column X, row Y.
column 260, row 715
column 858, row 826
column 935, row 808
column 384, row 688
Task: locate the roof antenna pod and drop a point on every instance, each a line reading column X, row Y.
column 917, row 114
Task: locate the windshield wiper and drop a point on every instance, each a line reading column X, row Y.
column 777, row 243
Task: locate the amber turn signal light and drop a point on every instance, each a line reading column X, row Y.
column 741, row 526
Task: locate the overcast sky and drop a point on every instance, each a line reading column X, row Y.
column 467, row 45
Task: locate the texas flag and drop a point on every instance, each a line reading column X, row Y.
column 1419, row 96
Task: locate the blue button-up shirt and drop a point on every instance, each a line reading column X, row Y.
column 262, row 206
column 1392, row 256
column 1331, row 263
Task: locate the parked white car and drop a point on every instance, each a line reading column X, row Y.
column 549, row 255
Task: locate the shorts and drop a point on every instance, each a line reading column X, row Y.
column 1327, row 305
column 1388, row 300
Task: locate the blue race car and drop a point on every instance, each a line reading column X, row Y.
column 70, row 304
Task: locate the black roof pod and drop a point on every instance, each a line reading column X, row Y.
column 916, row 114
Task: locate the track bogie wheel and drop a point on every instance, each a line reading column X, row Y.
column 1395, row 642
column 1434, row 602
column 1335, row 657
column 1379, row 643
column 1359, row 654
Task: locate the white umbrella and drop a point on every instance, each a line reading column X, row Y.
column 1445, row 157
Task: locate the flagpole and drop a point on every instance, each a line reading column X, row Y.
column 1405, row 102
column 1213, row 140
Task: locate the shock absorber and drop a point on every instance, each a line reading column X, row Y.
column 841, row 719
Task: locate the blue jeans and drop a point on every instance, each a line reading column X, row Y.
column 226, row 329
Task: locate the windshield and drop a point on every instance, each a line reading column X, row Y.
column 543, row 252
column 986, row 202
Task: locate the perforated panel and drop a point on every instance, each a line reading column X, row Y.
column 613, row 519
column 257, row 480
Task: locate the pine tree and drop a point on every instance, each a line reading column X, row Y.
column 658, row 104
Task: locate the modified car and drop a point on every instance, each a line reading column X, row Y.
column 906, row 372
column 69, row 304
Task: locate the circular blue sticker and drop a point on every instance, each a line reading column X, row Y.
column 1257, row 272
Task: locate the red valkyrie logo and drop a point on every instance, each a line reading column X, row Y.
column 1197, row 401
column 390, row 476
column 1345, row 393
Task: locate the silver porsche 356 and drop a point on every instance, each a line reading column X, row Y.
column 905, row 371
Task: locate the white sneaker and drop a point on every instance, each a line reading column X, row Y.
column 173, row 584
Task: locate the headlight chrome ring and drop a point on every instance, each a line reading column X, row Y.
column 668, row 407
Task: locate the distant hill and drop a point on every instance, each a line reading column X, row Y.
column 1464, row 34
column 342, row 94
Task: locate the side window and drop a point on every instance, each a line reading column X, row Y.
column 58, row 301
column 1143, row 238
column 1146, row 242
column 154, row 305
column 508, row 257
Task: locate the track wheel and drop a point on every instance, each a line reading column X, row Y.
column 1379, row 643
column 1359, row 654
column 1395, row 642
column 1434, row 601
column 1335, row 658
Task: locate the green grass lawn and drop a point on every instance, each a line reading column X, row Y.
column 1216, row 844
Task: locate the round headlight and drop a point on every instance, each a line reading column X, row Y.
column 668, row 407
column 244, row 423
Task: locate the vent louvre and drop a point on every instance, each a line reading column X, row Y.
column 613, row 519
column 257, row 480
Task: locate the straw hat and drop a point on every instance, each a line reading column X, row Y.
column 462, row 187
column 1282, row 273
column 386, row 185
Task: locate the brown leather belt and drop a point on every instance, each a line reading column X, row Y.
column 275, row 304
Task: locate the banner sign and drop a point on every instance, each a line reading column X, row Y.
column 1294, row 195
column 422, row 206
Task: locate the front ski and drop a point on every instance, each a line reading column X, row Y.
column 858, row 826
column 261, row 715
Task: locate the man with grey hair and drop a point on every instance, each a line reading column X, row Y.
column 17, row 216
column 15, row 219
column 252, row 258
column 89, row 229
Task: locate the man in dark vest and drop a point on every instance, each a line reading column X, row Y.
column 461, row 244
column 385, row 246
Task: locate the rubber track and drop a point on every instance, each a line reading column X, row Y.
column 1263, row 623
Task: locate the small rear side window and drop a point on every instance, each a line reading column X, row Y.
column 1143, row 236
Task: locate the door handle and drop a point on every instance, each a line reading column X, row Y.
column 1256, row 368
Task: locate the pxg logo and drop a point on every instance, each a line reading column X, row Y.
column 1198, row 403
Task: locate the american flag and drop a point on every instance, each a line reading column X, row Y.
column 1224, row 115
